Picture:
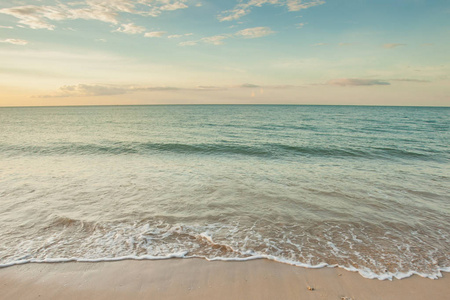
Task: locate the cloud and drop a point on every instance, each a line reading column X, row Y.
column 40, row 17
column 156, row 34
column 256, row 32
column 199, row 88
column 234, row 14
column 319, row 44
column 188, row 43
column 84, row 90
column 300, row 25
column 356, row 82
column 245, row 8
column 215, row 40
column 264, row 87
column 130, row 28
column 410, row 80
column 95, row 90
column 6, row 27
column 248, row 33
column 296, row 5
column 282, row 87
column 32, row 16
column 173, row 6
column 157, row 88
column 344, row 44
column 176, row 36
column 210, row 88
column 14, row 42
column 391, row 46
column 249, row 85
column 369, row 82
column 91, row 90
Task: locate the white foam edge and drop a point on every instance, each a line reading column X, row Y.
column 366, row 273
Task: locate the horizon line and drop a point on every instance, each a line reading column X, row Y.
column 221, row 104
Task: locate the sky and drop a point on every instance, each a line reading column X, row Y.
column 127, row 52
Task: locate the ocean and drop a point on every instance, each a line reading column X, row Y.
column 362, row 188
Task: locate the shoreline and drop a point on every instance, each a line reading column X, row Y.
column 195, row 278
column 181, row 255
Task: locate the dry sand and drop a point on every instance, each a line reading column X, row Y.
column 200, row 279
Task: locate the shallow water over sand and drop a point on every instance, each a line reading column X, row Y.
column 365, row 188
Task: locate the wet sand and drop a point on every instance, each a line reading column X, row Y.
column 201, row 279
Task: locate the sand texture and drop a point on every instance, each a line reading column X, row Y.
column 200, row 279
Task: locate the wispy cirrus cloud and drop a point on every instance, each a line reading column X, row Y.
column 188, row 43
column 35, row 17
column 93, row 90
column 85, row 90
column 393, row 45
column 215, row 40
column 15, row 42
column 243, row 9
column 410, row 80
column 43, row 16
column 356, row 82
column 130, row 28
column 155, row 34
column 257, row 86
column 97, row 90
column 249, row 85
column 255, row 32
column 248, row 33
column 370, row 82
column 296, row 5
column 171, row 6
column 176, row 36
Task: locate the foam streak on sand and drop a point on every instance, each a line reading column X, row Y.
column 366, row 273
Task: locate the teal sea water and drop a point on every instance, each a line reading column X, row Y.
column 362, row 188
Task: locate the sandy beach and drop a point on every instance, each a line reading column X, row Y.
column 201, row 279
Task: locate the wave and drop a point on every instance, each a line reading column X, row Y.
column 346, row 247
column 66, row 222
column 255, row 150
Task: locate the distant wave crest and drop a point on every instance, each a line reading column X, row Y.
column 257, row 150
